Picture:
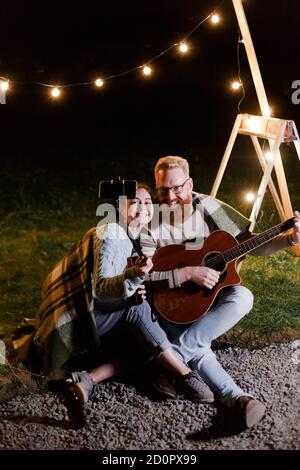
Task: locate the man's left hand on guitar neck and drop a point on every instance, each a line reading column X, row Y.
column 282, row 241
column 294, row 238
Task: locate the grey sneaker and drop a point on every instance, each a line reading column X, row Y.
column 193, row 387
column 83, row 384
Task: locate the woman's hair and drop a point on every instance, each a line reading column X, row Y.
column 146, row 187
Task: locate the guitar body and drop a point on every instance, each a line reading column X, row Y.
column 189, row 302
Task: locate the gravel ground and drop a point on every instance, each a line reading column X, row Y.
column 122, row 416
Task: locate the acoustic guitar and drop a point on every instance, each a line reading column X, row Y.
column 221, row 252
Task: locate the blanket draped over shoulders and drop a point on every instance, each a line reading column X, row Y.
column 64, row 325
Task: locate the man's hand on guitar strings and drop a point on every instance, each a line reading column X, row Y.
column 296, row 232
column 203, row 276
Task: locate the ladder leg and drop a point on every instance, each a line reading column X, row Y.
column 266, row 176
column 271, row 185
column 226, row 155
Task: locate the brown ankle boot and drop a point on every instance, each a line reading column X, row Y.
column 249, row 411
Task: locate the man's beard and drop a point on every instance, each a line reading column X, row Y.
column 179, row 212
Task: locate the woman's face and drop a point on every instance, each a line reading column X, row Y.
column 140, row 209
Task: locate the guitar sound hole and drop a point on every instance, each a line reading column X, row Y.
column 214, row 261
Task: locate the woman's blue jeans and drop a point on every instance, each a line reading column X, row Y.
column 136, row 319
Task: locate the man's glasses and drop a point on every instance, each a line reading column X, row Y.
column 163, row 191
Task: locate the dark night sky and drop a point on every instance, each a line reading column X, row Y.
column 185, row 108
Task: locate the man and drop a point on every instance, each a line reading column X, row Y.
column 192, row 342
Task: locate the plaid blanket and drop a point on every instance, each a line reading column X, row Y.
column 220, row 215
column 65, row 324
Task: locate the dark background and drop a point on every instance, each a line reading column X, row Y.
column 186, row 107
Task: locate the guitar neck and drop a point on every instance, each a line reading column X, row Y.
column 257, row 241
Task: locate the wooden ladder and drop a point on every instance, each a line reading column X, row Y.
column 276, row 131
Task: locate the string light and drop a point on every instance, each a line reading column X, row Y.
column 236, row 85
column 183, row 47
column 147, row 70
column 99, row 82
column 4, row 86
column 215, row 19
column 250, row 197
column 55, row 92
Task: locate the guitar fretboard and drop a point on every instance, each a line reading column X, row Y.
column 259, row 240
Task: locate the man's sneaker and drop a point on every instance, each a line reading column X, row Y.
column 164, row 386
column 83, row 384
column 249, row 411
column 193, row 387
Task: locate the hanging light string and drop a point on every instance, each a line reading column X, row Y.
column 99, row 82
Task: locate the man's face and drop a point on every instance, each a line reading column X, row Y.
column 173, row 187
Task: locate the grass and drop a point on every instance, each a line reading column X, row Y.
column 38, row 227
column 275, row 283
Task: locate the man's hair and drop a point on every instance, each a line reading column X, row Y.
column 165, row 163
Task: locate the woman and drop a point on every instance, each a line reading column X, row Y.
column 88, row 295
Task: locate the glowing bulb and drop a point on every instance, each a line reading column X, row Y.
column 268, row 113
column 268, row 155
column 183, row 47
column 99, row 82
column 253, row 123
column 4, row 86
column 147, row 70
column 215, row 19
column 236, row 85
column 55, row 92
column 249, row 197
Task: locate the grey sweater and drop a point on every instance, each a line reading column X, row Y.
column 113, row 281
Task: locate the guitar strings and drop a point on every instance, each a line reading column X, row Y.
column 221, row 258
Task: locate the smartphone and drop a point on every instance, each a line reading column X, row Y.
column 113, row 189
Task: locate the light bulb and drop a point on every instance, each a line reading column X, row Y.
column 268, row 155
column 183, row 47
column 4, row 86
column 268, row 112
column 147, row 70
column 99, row 82
column 249, row 197
column 236, row 85
column 55, row 92
column 253, row 123
column 215, row 19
